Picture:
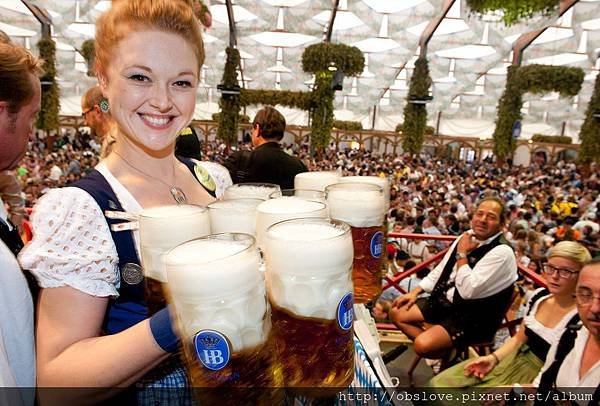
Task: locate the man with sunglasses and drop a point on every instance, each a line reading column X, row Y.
column 574, row 360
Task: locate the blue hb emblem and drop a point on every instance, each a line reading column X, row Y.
column 345, row 312
column 212, row 349
column 377, row 244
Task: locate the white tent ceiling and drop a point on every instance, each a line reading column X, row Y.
column 468, row 55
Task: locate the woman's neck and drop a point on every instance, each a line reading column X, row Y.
column 565, row 301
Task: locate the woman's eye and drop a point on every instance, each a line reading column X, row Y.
column 139, row 78
column 183, row 83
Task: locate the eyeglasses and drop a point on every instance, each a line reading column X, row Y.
column 585, row 297
column 87, row 111
column 562, row 272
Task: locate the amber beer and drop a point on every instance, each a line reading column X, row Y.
column 161, row 229
column 309, row 264
column 362, row 206
column 223, row 315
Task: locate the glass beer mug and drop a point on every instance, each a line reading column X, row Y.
column 362, row 206
column 223, row 316
column 309, row 283
column 162, row 229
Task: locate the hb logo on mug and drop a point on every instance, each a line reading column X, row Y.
column 212, row 349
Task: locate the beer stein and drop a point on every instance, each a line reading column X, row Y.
column 224, row 320
column 317, row 180
column 273, row 211
column 309, row 282
column 233, row 216
column 251, row 190
column 161, row 229
column 362, row 206
column 306, row 194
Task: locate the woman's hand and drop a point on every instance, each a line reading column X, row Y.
column 480, row 367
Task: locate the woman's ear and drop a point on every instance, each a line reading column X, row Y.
column 102, row 82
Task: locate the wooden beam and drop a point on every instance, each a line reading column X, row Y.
column 527, row 38
column 232, row 33
column 432, row 26
column 42, row 16
column 331, row 21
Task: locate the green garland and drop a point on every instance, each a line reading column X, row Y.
column 429, row 130
column 230, row 105
column 288, row 98
column 415, row 115
column 88, row 53
column 243, row 118
column 514, row 10
column 315, row 59
column 553, row 139
column 589, row 135
column 347, row 125
column 50, row 104
column 319, row 57
column 537, row 79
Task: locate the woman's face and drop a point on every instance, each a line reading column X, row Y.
column 558, row 285
column 151, row 86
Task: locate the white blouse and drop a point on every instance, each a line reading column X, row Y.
column 549, row 334
column 72, row 245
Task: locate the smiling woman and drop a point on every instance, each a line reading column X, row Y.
column 92, row 313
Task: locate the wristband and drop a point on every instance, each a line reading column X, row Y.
column 495, row 357
column 162, row 330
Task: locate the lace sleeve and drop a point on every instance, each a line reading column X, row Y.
column 72, row 244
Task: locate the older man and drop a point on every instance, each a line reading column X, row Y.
column 574, row 360
column 470, row 288
column 20, row 95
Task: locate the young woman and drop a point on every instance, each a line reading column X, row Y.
column 93, row 328
column 550, row 311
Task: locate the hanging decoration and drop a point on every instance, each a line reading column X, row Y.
column 589, row 136
column 537, row 79
column 50, row 104
column 415, row 112
column 514, row 10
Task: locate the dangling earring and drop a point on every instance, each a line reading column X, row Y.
column 104, row 106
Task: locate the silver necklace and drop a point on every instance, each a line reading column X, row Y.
column 176, row 191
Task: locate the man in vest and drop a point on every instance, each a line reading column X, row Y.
column 574, row 360
column 20, row 98
column 470, row 288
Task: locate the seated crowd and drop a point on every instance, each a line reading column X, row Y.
column 546, row 215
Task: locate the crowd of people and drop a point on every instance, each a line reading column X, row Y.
column 429, row 195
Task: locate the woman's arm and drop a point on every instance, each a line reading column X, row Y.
column 71, row 352
column 481, row 366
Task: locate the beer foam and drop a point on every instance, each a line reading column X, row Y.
column 215, row 284
column 238, row 215
column 357, row 207
column 163, row 228
column 384, row 183
column 318, row 180
column 289, row 204
column 253, row 191
column 284, row 208
column 309, row 265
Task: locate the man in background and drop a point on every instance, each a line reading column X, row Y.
column 267, row 162
column 100, row 123
column 20, row 98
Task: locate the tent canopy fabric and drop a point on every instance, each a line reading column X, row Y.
column 468, row 55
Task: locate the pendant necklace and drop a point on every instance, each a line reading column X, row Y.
column 176, row 191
